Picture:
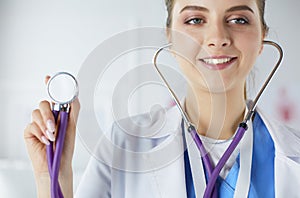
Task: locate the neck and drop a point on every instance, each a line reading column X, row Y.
column 215, row 115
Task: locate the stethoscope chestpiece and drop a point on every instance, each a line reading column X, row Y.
column 62, row 89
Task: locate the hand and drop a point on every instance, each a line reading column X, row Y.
column 41, row 130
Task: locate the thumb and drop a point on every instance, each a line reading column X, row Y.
column 47, row 79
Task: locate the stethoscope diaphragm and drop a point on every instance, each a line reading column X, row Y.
column 62, row 88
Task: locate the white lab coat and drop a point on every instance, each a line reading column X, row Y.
column 148, row 162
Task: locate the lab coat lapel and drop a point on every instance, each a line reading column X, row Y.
column 287, row 156
column 285, row 139
column 169, row 178
column 198, row 173
column 286, row 168
column 196, row 167
column 246, row 150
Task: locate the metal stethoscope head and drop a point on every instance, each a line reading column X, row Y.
column 252, row 105
column 62, row 89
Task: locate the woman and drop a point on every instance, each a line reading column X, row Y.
column 216, row 44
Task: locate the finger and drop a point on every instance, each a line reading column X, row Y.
column 47, row 116
column 47, row 79
column 33, row 133
column 74, row 111
column 38, row 119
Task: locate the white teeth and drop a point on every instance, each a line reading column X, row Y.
column 216, row 61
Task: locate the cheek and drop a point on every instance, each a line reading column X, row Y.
column 184, row 46
column 249, row 42
column 250, row 48
column 186, row 50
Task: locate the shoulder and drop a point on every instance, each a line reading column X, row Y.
column 286, row 139
column 141, row 138
column 144, row 132
column 159, row 123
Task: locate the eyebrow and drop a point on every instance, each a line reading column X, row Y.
column 193, row 7
column 238, row 8
column 232, row 9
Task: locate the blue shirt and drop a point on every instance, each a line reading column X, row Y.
column 262, row 169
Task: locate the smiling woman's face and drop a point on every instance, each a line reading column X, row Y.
column 217, row 41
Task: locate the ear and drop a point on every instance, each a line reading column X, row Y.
column 168, row 35
column 169, row 39
column 264, row 35
column 261, row 48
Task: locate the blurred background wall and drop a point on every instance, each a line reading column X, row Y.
column 42, row 37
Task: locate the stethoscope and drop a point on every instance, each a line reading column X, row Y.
column 213, row 173
column 63, row 89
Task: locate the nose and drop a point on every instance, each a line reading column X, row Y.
column 217, row 36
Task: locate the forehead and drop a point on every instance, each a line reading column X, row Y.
column 215, row 4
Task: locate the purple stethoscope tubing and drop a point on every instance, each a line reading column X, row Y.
column 213, row 173
column 50, row 156
column 54, row 158
column 60, row 110
column 210, row 187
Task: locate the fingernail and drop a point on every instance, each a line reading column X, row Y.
column 45, row 141
column 50, row 135
column 50, row 126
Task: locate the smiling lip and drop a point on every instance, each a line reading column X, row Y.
column 218, row 62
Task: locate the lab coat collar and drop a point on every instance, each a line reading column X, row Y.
column 171, row 125
column 285, row 139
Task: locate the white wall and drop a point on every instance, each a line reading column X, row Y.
column 43, row 37
column 281, row 99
